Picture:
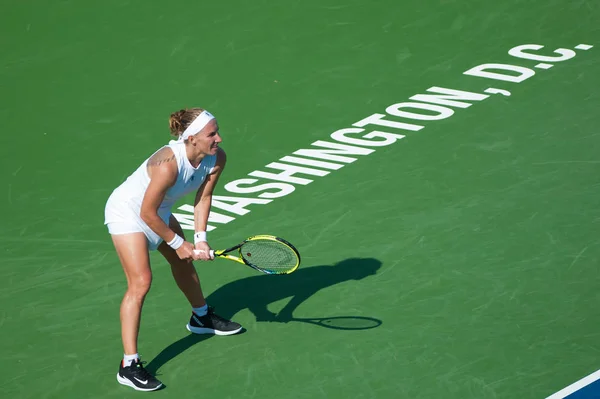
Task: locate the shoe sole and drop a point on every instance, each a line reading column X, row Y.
column 125, row 381
column 201, row 330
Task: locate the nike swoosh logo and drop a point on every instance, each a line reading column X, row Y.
column 140, row 381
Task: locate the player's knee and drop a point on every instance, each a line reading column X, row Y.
column 140, row 285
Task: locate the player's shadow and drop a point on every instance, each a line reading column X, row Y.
column 255, row 293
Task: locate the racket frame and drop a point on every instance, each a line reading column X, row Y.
column 223, row 253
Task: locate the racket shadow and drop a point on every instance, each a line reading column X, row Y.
column 343, row 322
column 256, row 292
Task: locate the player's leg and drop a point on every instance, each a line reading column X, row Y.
column 132, row 250
column 203, row 320
column 183, row 271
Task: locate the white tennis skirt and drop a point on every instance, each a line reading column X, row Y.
column 123, row 217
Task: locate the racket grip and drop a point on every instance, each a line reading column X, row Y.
column 211, row 252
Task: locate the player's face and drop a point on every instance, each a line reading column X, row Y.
column 209, row 138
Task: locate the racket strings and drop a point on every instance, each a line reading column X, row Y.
column 269, row 255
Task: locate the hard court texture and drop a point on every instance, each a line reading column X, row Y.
column 474, row 241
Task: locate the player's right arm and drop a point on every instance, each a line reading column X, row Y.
column 162, row 170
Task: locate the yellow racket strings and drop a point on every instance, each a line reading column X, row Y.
column 270, row 255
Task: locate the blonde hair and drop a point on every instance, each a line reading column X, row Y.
column 180, row 120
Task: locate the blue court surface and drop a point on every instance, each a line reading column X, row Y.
column 586, row 388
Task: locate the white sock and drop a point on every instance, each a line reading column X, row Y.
column 128, row 359
column 201, row 311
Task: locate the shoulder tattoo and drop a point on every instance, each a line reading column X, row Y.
column 164, row 155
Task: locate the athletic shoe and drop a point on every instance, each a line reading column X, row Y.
column 137, row 377
column 212, row 323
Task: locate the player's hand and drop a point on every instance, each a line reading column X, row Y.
column 202, row 251
column 186, row 251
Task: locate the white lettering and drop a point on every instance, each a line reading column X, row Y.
column 390, row 138
column 493, row 90
column 283, row 188
column 443, row 112
column 310, row 162
column 334, row 148
column 481, row 71
column 238, row 204
column 519, row 52
column 340, row 135
column 377, row 119
column 447, row 96
column 288, row 173
column 325, row 156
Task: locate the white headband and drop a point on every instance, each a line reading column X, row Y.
column 198, row 124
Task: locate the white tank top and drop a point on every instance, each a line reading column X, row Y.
column 189, row 179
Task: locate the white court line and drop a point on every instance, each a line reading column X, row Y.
column 576, row 386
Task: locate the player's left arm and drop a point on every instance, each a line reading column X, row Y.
column 204, row 197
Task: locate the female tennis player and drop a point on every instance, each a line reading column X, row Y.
column 138, row 217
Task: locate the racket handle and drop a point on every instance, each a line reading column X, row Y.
column 211, row 252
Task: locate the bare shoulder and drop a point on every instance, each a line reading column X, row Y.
column 162, row 166
column 162, row 156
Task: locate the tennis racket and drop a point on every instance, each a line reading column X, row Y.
column 265, row 253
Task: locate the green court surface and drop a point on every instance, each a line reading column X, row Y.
column 474, row 241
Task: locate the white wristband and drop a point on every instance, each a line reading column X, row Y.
column 200, row 236
column 176, row 242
